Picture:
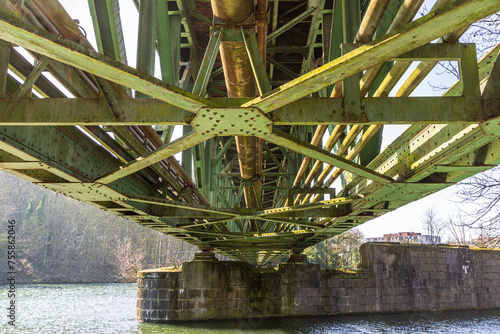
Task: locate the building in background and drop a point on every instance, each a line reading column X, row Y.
column 408, row 238
column 486, row 242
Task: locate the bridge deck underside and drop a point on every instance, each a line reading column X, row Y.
column 114, row 150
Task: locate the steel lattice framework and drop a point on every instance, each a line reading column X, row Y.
column 256, row 86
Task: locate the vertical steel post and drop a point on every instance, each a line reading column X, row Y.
column 4, row 65
column 175, row 45
column 146, row 39
column 200, row 151
column 108, row 28
column 164, row 42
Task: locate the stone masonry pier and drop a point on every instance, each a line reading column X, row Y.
column 396, row 278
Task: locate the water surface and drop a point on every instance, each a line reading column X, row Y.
column 110, row 308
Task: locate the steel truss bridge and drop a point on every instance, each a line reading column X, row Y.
column 255, row 87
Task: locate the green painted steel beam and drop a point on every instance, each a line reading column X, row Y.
column 378, row 110
column 307, row 62
column 207, row 171
column 491, row 88
column 165, row 42
column 25, row 86
column 207, row 64
column 309, row 111
column 131, row 141
column 146, row 39
column 282, row 68
column 258, row 66
column 38, row 40
column 417, row 33
column 153, row 157
column 301, row 17
column 187, row 7
column 333, row 31
column 199, row 152
column 450, row 138
column 222, row 152
column 4, row 66
column 182, row 205
column 285, row 140
column 294, row 221
column 175, row 46
column 373, row 147
column 86, row 112
column 308, row 207
column 22, row 68
column 56, row 147
column 108, row 28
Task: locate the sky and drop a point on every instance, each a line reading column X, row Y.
column 406, row 219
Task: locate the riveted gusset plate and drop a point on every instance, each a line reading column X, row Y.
column 231, row 122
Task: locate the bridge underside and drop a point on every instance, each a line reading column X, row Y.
column 255, row 89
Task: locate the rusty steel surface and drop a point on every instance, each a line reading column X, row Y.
column 282, row 105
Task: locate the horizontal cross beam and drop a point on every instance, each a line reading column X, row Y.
column 64, row 111
column 307, row 111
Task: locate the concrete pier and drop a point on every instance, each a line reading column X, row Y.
column 395, row 278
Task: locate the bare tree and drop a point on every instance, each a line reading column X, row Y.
column 458, row 232
column 481, row 196
column 485, row 34
column 339, row 252
column 487, row 237
column 433, row 225
column 129, row 260
column 178, row 251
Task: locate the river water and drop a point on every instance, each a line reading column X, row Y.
column 110, row 308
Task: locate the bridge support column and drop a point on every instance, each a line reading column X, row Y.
column 205, row 289
column 297, row 256
column 208, row 289
column 396, row 278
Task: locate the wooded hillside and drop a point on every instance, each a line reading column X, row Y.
column 61, row 240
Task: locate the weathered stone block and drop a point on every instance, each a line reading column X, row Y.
column 194, row 293
column 162, row 294
column 333, row 283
